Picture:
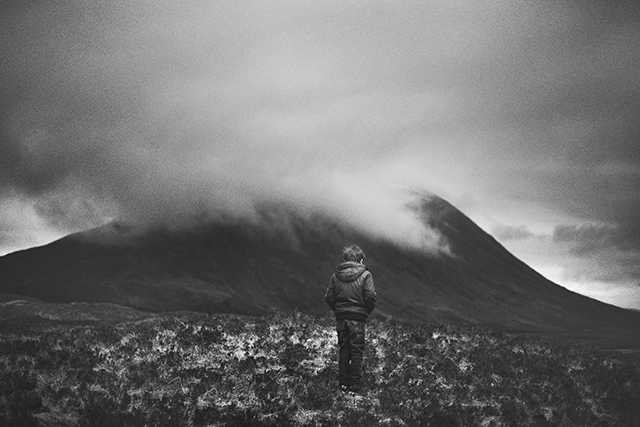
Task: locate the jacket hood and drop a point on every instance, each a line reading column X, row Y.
column 349, row 271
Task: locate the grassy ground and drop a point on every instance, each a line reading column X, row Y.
column 198, row 370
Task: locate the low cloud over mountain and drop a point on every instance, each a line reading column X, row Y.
column 284, row 260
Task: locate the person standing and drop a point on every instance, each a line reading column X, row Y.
column 352, row 297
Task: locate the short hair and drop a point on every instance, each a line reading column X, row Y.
column 353, row 253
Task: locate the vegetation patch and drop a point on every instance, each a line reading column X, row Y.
column 281, row 370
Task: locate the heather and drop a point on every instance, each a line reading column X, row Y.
column 280, row 370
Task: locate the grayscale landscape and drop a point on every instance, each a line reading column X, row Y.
column 178, row 180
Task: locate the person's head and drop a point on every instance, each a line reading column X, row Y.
column 353, row 253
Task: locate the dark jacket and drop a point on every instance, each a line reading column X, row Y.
column 351, row 294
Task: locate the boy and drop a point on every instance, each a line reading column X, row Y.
column 352, row 296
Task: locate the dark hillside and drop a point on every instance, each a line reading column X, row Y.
column 247, row 268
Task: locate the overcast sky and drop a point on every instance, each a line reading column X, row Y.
column 523, row 114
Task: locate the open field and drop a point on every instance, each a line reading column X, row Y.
column 280, row 370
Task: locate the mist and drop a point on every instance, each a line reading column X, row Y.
column 171, row 115
column 177, row 113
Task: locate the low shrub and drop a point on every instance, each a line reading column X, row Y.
column 281, row 370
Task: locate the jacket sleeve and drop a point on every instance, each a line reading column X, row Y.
column 369, row 293
column 330, row 295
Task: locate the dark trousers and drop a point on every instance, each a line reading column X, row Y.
column 351, row 352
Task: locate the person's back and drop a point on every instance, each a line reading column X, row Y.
column 352, row 296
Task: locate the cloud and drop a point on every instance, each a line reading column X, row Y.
column 602, row 252
column 156, row 114
column 22, row 226
column 595, row 239
column 170, row 112
column 589, row 238
column 601, row 261
column 597, row 260
column 506, row 233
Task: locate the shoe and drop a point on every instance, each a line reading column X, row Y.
column 356, row 391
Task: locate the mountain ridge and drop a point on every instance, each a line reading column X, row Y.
column 248, row 268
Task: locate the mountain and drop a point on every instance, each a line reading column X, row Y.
column 24, row 310
column 251, row 268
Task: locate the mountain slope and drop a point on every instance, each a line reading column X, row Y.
column 248, row 268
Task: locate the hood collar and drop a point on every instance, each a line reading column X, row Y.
column 350, row 271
